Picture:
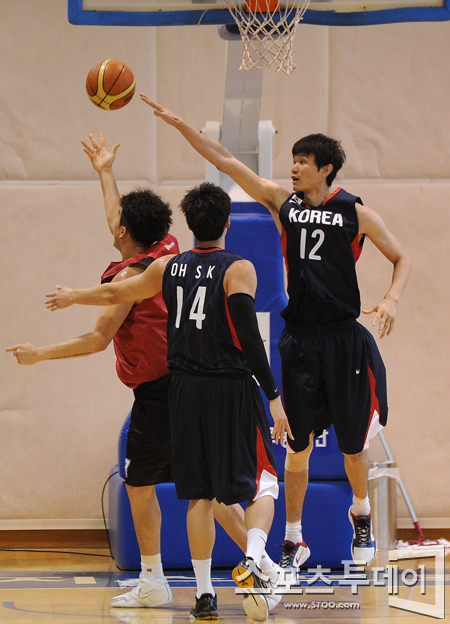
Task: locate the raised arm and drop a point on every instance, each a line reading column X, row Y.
column 373, row 226
column 240, row 288
column 143, row 286
column 261, row 190
column 102, row 161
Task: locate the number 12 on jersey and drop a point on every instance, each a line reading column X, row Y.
column 320, row 234
column 196, row 312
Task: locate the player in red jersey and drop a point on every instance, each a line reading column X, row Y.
column 332, row 369
column 139, row 223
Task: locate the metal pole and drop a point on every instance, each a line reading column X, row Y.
column 390, row 457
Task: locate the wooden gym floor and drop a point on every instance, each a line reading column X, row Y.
column 61, row 577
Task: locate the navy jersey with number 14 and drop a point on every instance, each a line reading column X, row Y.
column 200, row 333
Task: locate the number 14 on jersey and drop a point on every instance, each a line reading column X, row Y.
column 196, row 312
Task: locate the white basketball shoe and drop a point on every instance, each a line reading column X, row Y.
column 146, row 594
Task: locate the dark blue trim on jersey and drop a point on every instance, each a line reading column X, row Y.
column 78, row 16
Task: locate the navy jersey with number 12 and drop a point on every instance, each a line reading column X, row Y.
column 200, row 333
column 321, row 246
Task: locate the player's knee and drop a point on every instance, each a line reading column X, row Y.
column 140, row 492
column 355, row 458
column 298, row 462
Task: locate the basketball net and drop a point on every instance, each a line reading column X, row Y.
column 267, row 31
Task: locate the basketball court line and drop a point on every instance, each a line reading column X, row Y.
column 11, row 606
column 76, row 579
column 221, row 578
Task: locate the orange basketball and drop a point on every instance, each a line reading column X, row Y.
column 110, row 85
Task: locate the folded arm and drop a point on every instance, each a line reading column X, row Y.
column 373, row 226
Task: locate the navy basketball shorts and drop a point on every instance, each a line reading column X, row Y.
column 332, row 375
column 149, row 454
column 221, row 440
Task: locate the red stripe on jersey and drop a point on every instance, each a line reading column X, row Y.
column 262, row 461
column 332, row 195
column 237, row 344
column 283, row 242
column 356, row 248
column 374, row 405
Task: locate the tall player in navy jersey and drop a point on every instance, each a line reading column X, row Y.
column 332, row 369
column 221, row 442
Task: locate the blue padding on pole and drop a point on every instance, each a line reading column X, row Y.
column 326, row 528
column 121, row 533
column 325, row 525
column 122, row 446
column 78, row 16
column 326, row 461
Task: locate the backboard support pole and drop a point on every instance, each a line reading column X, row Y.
column 248, row 139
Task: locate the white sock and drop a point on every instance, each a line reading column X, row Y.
column 293, row 531
column 151, row 567
column 266, row 562
column 256, row 543
column 361, row 506
column 202, row 571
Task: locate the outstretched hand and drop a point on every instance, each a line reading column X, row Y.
column 280, row 421
column 101, row 159
column 60, row 299
column 24, row 353
column 161, row 111
column 385, row 315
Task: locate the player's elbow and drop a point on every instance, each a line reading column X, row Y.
column 101, row 346
column 408, row 265
column 407, row 259
column 113, row 295
column 405, row 262
column 225, row 163
column 99, row 342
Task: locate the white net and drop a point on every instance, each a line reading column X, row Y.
column 268, row 36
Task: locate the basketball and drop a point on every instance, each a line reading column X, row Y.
column 110, row 85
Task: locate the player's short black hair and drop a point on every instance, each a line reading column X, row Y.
column 206, row 208
column 145, row 215
column 326, row 151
